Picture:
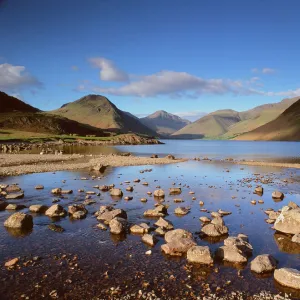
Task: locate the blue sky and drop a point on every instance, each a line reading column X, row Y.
column 185, row 57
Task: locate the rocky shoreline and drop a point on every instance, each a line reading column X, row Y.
column 17, row 164
column 50, row 146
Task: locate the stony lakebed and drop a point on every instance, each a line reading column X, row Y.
column 187, row 230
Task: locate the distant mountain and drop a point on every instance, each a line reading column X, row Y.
column 227, row 124
column 164, row 123
column 286, row 127
column 212, row 125
column 12, row 104
column 98, row 111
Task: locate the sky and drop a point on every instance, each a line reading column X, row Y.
column 185, row 57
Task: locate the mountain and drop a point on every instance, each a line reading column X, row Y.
column 11, row 104
column 286, row 127
column 98, row 111
column 258, row 116
column 227, row 124
column 17, row 115
column 164, row 123
column 45, row 123
column 212, row 125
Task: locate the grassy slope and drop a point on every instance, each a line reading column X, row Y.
column 210, row 126
column 286, row 127
column 11, row 104
column 99, row 112
column 43, row 123
column 257, row 117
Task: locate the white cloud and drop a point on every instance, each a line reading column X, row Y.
column 13, row 78
column 289, row 93
column 176, row 84
column 108, row 70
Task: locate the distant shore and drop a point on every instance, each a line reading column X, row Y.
column 268, row 164
column 18, row 164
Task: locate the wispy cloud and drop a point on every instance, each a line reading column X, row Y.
column 176, row 84
column 108, row 70
column 263, row 70
column 14, row 78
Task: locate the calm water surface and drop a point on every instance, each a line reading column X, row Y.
column 105, row 261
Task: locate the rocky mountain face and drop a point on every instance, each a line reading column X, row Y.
column 164, row 123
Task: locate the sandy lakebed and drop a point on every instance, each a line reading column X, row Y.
column 79, row 254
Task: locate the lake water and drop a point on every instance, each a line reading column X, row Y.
column 111, row 266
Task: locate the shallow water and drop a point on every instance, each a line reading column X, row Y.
column 106, row 261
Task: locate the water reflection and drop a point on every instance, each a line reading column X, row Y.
column 18, row 233
column 285, row 244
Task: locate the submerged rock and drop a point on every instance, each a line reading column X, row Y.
column 175, row 191
column 56, row 228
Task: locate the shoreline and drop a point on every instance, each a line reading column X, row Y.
column 20, row 164
column 268, row 164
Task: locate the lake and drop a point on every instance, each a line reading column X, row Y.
column 85, row 262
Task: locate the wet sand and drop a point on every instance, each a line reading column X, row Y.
column 17, row 164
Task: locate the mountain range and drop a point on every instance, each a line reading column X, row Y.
column 164, row 123
column 227, row 124
column 96, row 115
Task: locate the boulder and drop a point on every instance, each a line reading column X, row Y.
column 37, row 208
column 292, row 204
column 55, row 210
column 164, row 224
column 288, row 220
column 264, row 263
column 259, row 190
column 277, row 195
column 177, row 234
column 56, row 228
column 296, row 238
column 214, row 230
column 72, row 209
column 20, row 221
column 235, row 250
column 159, row 194
column 224, row 212
column 149, row 239
column 160, row 231
column 13, row 206
column 56, row 191
column 154, row 156
column 14, row 188
column 104, row 188
column 178, row 247
column 39, row 187
column 182, row 210
column 108, row 215
column 199, row 254
column 175, row 191
column 172, row 157
column 273, row 215
column 116, row 192
column 138, row 229
column 14, row 196
column 118, row 225
column 158, row 211
column 288, row 277
column 205, row 219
